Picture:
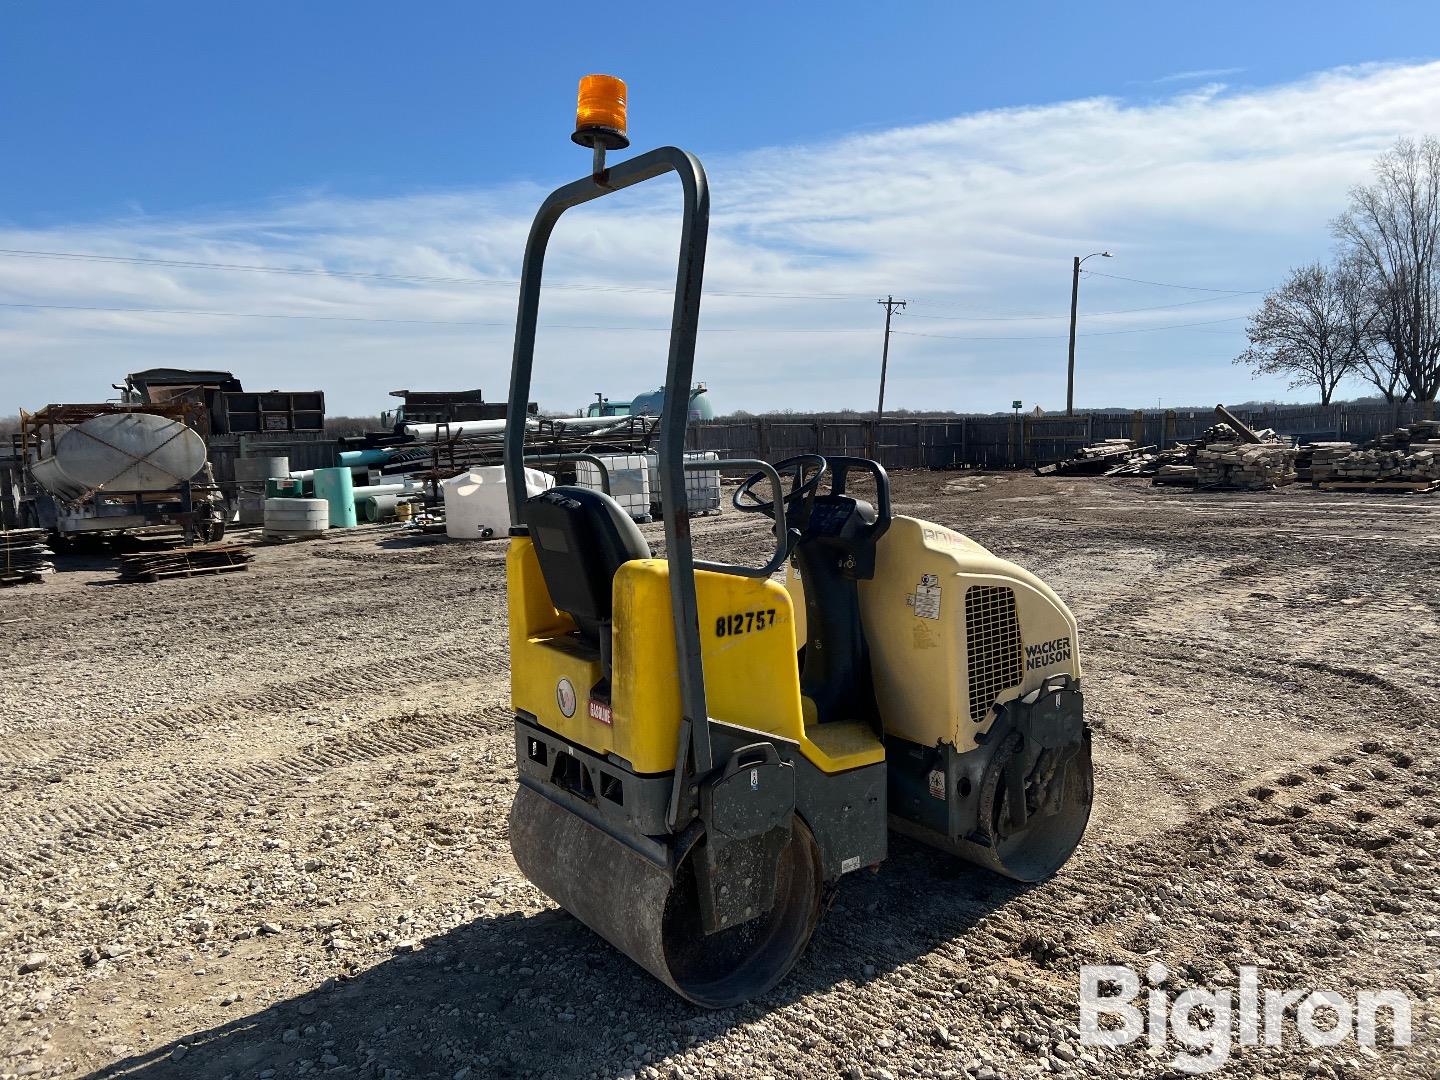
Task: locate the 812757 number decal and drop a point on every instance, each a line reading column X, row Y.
column 742, row 622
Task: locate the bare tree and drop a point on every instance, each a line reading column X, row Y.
column 1392, row 229
column 1312, row 329
column 1375, row 360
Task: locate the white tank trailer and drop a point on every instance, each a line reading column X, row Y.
column 109, row 469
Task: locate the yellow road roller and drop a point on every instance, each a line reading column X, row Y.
column 704, row 748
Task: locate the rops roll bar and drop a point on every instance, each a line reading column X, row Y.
column 694, row 745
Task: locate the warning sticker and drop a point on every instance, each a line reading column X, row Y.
column 937, row 783
column 600, row 710
column 927, row 598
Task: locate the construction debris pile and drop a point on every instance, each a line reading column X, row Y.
column 1227, row 456
column 24, row 556
column 435, row 452
column 153, row 566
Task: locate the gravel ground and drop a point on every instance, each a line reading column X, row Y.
column 254, row 825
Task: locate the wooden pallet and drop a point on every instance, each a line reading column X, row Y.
column 28, row 577
column 152, row 566
column 1398, row 487
column 152, row 576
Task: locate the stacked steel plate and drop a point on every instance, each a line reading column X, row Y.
column 24, row 556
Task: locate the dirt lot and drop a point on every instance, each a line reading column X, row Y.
column 255, row 825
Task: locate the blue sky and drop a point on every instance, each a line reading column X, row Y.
column 955, row 154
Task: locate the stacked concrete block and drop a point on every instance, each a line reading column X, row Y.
column 1323, row 459
column 1416, row 466
column 1245, row 466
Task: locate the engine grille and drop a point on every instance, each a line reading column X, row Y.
column 992, row 646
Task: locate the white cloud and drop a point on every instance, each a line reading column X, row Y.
column 1197, row 75
column 974, row 219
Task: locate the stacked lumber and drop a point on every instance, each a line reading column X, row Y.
column 153, row 566
column 24, row 556
column 1177, row 475
column 1109, row 457
column 1244, row 466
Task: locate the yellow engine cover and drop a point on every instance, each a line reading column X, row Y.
column 952, row 629
column 747, row 635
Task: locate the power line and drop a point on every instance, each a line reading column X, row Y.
column 1049, row 337
column 1172, row 285
column 426, row 322
column 196, row 264
column 579, row 326
column 1084, row 314
column 190, row 264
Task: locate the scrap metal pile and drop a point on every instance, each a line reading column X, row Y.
column 435, row 452
column 24, row 556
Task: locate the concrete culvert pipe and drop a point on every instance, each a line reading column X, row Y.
column 286, row 518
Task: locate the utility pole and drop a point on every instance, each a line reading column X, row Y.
column 890, row 304
column 1074, row 306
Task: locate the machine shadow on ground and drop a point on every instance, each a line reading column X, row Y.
column 466, row 994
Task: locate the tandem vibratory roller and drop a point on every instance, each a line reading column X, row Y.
column 703, row 750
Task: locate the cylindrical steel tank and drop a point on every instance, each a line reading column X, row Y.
column 115, row 452
column 251, row 477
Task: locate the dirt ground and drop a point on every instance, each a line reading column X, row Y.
column 254, row 825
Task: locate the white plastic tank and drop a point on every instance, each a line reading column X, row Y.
column 287, row 519
column 629, row 481
column 476, row 506
column 702, row 486
column 125, row 451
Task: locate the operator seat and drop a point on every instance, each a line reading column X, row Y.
column 581, row 539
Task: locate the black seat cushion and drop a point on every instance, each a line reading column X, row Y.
column 581, row 538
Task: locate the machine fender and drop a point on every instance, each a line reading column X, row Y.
column 1052, row 716
column 748, row 811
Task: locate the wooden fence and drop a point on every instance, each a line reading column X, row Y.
column 1024, row 441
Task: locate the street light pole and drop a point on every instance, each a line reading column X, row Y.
column 1074, row 307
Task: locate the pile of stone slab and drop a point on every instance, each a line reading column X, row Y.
column 1223, row 458
column 1407, row 459
column 1244, row 466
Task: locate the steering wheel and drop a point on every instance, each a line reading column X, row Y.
column 801, row 489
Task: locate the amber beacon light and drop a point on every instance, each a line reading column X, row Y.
column 600, row 113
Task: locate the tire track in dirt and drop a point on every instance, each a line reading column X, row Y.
column 116, row 815
column 75, row 748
